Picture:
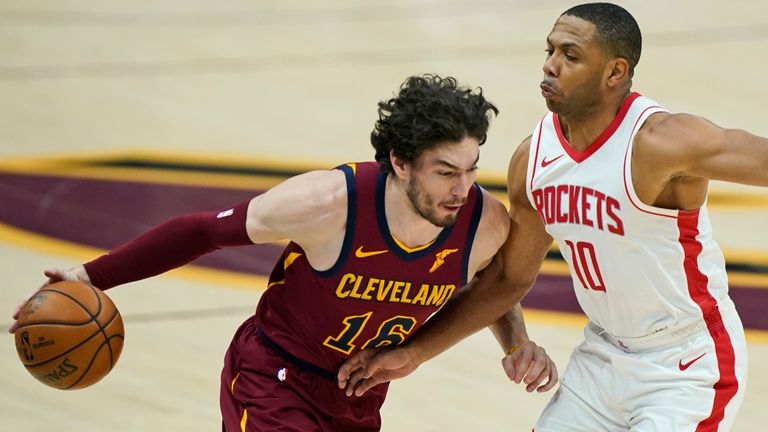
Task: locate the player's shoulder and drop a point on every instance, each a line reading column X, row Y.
column 667, row 130
column 321, row 190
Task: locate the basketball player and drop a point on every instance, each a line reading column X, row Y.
column 621, row 184
column 376, row 248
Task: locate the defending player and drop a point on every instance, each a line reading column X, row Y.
column 621, row 184
column 376, row 248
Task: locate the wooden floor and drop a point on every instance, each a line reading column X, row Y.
column 296, row 82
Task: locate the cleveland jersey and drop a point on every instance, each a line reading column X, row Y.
column 377, row 293
column 636, row 269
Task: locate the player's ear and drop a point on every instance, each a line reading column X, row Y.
column 399, row 166
column 617, row 72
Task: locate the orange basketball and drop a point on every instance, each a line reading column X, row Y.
column 69, row 335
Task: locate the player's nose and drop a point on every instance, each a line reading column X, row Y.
column 550, row 66
column 460, row 187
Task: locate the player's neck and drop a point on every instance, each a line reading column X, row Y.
column 404, row 222
column 582, row 130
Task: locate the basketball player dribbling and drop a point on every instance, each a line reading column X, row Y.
column 621, row 184
column 376, row 248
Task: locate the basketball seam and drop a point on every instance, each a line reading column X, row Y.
column 65, row 295
column 93, row 318
column 106, row 338
column 93, row 358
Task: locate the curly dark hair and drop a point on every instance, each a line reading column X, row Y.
column 427, row 111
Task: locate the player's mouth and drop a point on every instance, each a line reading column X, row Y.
column 453, row 207
column 547, row 90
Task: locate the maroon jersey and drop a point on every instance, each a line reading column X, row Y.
column 377, row 293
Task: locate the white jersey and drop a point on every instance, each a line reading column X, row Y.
column 636, row 269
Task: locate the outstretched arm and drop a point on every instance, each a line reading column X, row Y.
column 711, row 152
column 675, row 156
column 309, row 209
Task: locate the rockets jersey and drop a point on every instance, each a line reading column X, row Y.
column 377, row 293
column 636, row 269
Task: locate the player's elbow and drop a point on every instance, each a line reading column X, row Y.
column 516, row 287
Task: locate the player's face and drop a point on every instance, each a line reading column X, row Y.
column 574, row 70
column 440, row 179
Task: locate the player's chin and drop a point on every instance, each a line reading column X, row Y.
column 446, row 219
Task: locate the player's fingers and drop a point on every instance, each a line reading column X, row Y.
column 366, row 385
column 553, row 378
column 20, row 306
column 17, row 309
column 357, row 362
column 537, row 366
column 508, row 365
column 16, row 313
column 54, row 275
column 346, row 370
column 537, row 376
column 354, row 380
column 522, row 363
column 546, row 374
column 383, row 361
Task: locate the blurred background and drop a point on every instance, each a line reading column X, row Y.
column 200, row 102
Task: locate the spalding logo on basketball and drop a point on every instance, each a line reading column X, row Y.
column 69, row 335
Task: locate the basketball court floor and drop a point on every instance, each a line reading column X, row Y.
column 118, row 116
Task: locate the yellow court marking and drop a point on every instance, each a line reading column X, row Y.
column 40, row 243
column 168, row 156
column 153, row 176
column 67, row 165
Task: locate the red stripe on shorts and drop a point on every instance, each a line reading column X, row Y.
column 727, row 385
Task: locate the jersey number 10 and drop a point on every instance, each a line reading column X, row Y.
column 582, row 255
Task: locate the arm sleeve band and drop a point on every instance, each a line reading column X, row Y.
column 170, row 245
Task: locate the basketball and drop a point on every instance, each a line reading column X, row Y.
column 69, row 335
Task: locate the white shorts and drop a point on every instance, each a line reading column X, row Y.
column 689, row 380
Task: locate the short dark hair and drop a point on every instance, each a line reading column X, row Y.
column 428, row 110
column 617, row 30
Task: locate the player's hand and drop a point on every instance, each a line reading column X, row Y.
column 531, row 365
column 53, row 275
column 369, row 368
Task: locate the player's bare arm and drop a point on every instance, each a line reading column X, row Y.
column 675, row 155
column 523, row 360
column 494, row 293
column 521, row 266
column 503, row 283
column 309, row 208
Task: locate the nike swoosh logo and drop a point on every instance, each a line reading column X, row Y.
column 361, row 254
column 545, row 162
column 684, row 366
